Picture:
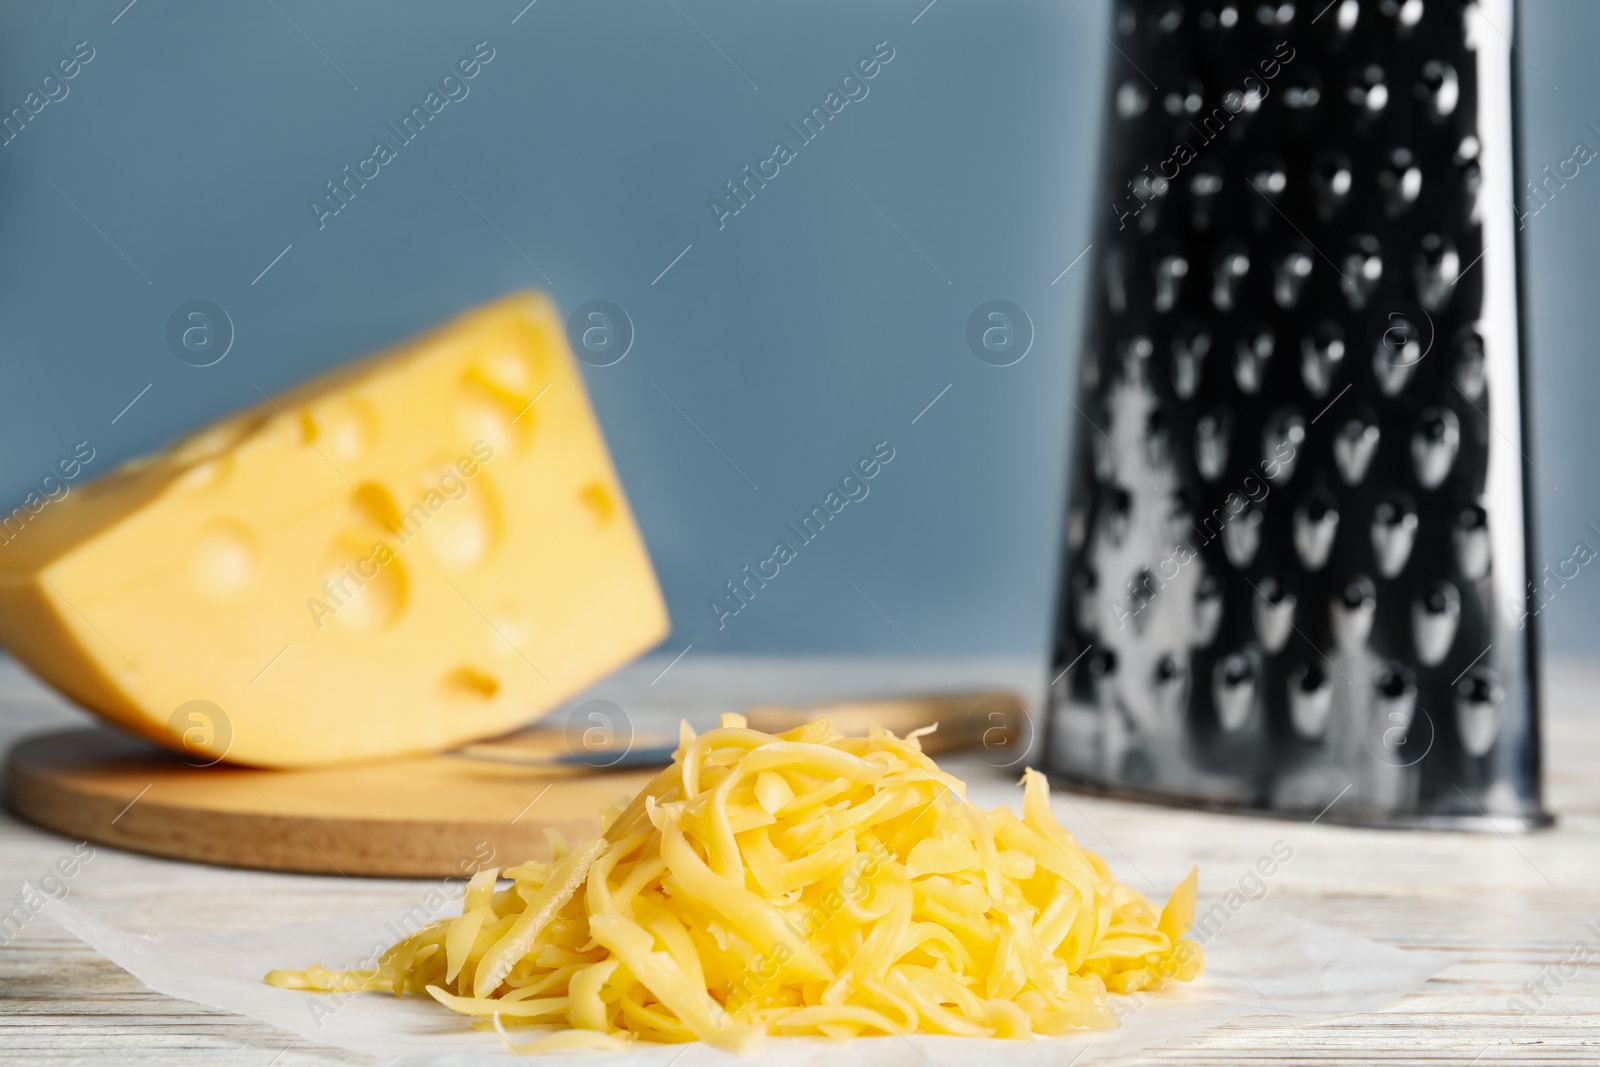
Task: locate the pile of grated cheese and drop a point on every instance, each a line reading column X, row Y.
column 798, row 883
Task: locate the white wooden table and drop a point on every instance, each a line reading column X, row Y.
column 1509, row 911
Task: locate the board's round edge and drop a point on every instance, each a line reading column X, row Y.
column 255, row 841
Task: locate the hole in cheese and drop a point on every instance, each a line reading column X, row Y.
column 376, row 505
column 214, row 441
column 510, row 630
column 516, row 366
column 223, row 563
column 206, row 474
column 469, row 683
column 463, row 520
column 346, row 428
column 495, row 397
column 598, row 501
column 485, row 412
column 365, row 582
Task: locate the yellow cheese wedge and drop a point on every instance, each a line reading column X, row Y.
column 427, row 547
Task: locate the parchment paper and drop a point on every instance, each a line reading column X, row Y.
column 1261, row 963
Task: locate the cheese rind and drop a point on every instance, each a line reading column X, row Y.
column 425, row 548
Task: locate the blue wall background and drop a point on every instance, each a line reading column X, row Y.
column 1560, row 106
column 821, row 320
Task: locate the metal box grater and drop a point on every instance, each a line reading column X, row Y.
column 1297, row 540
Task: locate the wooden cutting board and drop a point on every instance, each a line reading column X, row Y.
column 437, row 816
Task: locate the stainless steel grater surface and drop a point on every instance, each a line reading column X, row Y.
column 1296, row 548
